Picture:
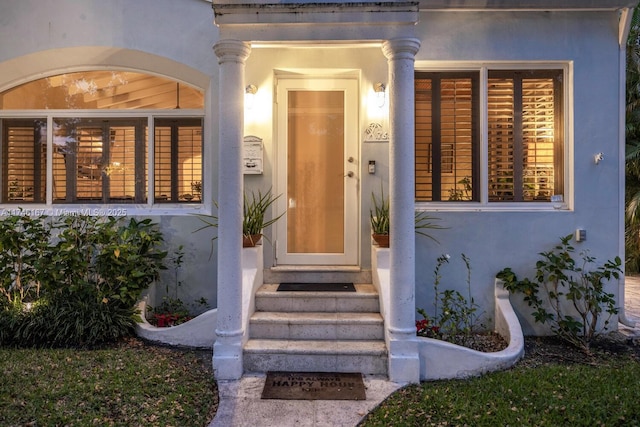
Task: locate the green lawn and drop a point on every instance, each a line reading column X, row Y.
column 601, row 390
column 131, row 384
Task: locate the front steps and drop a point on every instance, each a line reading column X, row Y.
column 316, row 332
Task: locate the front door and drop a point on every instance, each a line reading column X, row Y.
column 317, row 171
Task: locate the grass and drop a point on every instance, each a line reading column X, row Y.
column 130, row 384
column 134, row 384
column 554, row 394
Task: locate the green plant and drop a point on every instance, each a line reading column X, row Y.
column 23, row 262
column 196, row 187
column 172, row 310
column 465, row 193
column 567, row 295
column 210, row 221
column 83, row 276
column 71, row 319
column 255, row 209
column 130, row 260
column 455, row 316
column 379, row 217
column 379, row 214
column 254, row 212
column 176, row 260
column 106, row 258
column 424, row 221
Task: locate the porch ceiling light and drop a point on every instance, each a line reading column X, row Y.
column 379, row 89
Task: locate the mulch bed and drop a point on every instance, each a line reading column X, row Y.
column 539, row 351
column 545, row 350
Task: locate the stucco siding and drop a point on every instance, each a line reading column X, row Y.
column 175, row 39
column 494, row 240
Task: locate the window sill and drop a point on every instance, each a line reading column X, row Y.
column 493, row 207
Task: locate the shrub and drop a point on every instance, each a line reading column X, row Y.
column 172, row 310
column 23, row 263
column 567, row 295
column 106, row 259
column 70, row 320
column 455, row 316
column 88, row 273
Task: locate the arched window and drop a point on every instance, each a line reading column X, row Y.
column 85, row 137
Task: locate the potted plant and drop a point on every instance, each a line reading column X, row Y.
column 253, row 222
column 379, row 216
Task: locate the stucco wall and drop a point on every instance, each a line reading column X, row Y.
column 165, row 37
column 174, row 38
column 494, row 240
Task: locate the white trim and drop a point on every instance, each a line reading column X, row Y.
column 518, row 5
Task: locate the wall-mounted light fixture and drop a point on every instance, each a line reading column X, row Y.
column 250, row 95
column 379, row 89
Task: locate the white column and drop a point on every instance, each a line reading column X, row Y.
column 404, row 361
column 227, row 350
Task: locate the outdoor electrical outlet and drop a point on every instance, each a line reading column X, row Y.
column 372, row 166
column 581, row 235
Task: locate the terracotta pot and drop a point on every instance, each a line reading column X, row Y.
column 381, row 240
column 251, row 241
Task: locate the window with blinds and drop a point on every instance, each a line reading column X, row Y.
column 99, row 160
column 178, row 160
column 102, row 160
column 525, row 135
column 24, row 158
column 101, row 157
column 447, row 143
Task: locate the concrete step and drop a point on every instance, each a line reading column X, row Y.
column 317, row 274
column 365, row 299
column 316, row 326
column 366, row 356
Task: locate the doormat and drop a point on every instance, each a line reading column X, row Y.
column 317, row 287
column 313, row 386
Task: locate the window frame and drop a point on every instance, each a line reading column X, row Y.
column 105, row 125
column 436, row 158
column 519, row 136
column 38, row 168
column 567, row 204
column 150, row 207
column 175, row 124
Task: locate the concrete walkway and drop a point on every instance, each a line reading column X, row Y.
column 631, row 305
column 241, row 404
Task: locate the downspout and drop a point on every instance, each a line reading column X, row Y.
column 626, row 15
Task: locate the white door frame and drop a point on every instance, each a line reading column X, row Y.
column 351, row 161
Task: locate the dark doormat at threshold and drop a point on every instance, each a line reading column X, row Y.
column 317, row 287
column 314, row 386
